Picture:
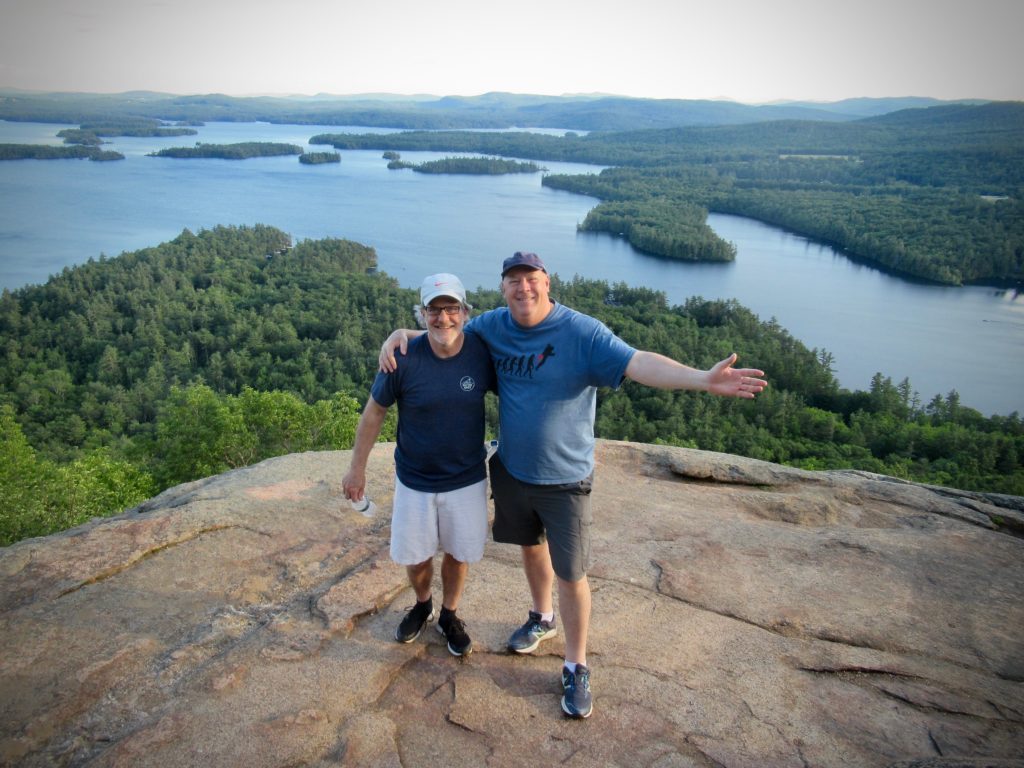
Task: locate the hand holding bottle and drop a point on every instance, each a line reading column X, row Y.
column 364, row 506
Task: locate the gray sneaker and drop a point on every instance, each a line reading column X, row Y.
column 576, row 701
column 529, row 636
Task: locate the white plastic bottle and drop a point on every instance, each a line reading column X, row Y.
column 364, row 506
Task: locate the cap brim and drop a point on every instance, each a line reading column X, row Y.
column 427, row 299
column 531, row 267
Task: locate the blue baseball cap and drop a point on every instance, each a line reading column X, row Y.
column 522, row 259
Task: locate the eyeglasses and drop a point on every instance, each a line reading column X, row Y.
column 449, row 309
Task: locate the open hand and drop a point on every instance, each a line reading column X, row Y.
column 727, row 381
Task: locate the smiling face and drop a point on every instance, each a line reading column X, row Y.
column 526, row 292
column 444, row 318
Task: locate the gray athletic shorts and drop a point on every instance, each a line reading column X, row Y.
column 528, row 514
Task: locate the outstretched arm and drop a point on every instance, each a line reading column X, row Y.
column 354, row 482
column 397, row 340
column 656, row 370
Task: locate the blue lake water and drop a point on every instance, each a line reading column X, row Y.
column 62, row 212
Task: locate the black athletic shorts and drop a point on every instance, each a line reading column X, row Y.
column 528, row 514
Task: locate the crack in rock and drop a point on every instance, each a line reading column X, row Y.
column 139, row 557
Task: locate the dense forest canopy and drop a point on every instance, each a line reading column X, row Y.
column 123, row 376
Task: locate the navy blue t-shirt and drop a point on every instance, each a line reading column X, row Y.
column 440, row 414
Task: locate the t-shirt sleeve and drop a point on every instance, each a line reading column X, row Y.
column 384, row 389
column 610, row 356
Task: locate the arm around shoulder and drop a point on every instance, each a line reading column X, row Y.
column 398, row 340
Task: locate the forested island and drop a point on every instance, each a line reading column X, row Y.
column 124, row 376
column 239, row 151
column 935, row 194
column 46, row 152
column 319, row 158
column 480, row 166
column 91, row 134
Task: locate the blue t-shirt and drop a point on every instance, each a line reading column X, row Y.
column 548, row 377
column 440, row 414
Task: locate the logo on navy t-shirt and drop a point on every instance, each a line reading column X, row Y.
column 467, row 383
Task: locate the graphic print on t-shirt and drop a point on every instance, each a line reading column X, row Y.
column 549, row 351
column 524, row 365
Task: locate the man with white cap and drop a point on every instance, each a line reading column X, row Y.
column 550, row 360
column 441, row 477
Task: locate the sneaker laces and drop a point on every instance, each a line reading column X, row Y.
column 535, row 624
column 454, row 624
column 581, row 677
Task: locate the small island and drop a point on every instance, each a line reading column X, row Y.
column 485, row 166
column 239, row 151
column 46, row 152
column 90, row 134
column 316, row 158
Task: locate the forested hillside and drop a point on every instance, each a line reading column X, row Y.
column 490, row 110
column 123, row 376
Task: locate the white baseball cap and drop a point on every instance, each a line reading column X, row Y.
column 442, row 284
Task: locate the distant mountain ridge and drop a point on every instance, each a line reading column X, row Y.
column 1008, row 115
column 492, row 110
column 870, row 107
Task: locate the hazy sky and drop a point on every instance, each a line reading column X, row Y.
column 746, row 50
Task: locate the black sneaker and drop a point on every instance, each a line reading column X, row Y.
column 529, row 636
column 454, row 631
column 414, row 620
column 576, row 701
